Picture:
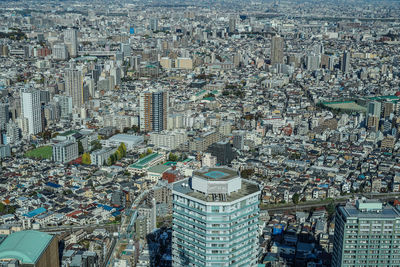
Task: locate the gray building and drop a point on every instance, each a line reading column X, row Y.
column 65, row 151
column 367, row 233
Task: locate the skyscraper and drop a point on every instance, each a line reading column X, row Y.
column 153, row 111
column 277, row 45
column 31, row 110
column 4, row 115
column 215, row 219
column 74, row 86
column 71, row 40
column 232, row 24
column 153, row 24
column 345, row 62
column 366, row 234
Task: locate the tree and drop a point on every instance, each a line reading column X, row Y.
column 95, row 145
column 330, row 209
column 172, row 157
column 86, row 159
column 118, row 155
column 122, row 149
column 109, row 161
column 247, row 173
column 80, row 148
column 296, row 198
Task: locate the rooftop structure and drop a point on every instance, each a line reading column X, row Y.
column 31, row 248
column 200, row 221
column 366, row 222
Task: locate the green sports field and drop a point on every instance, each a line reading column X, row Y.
column 43, row 152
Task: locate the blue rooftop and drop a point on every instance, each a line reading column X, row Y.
column 35, row 212
column 54, row 185
column 216, row 174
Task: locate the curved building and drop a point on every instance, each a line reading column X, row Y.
column 215, row 220
column 30, row 248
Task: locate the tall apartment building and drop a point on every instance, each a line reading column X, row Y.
column 71, row 41
column 74, row 87
column 31, row 110
column 232, row 24
column 65, row 151
column 277, row 46
column 205, row 140
column 345, row 62
column 4, row 115
column 168, row 139
column 60, row 52
column 153, row 111
column 215, row 220
column 366, row 234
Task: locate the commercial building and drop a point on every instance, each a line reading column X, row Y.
column 31, row 249
column 153, row 111
column 31, row 110
column 65, row 151
column 367, row 233
column 215, row 219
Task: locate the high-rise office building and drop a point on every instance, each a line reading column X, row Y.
column 74, row 86
column 345, row 62
column 215, row 219
column 366, row 234
column 31, row 110
column 277, row 46
column 153, row 111
column 71, row 41
column 232, row 24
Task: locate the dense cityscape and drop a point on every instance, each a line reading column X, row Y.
column 199, row 133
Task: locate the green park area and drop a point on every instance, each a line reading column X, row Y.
column 43, row 152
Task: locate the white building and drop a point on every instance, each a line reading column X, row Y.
column 31, row 110
column 227, row 209
column 130, row 141
column 65, row 151
column 168, row 139
column 71, row 41
column 100, row 157
column 60, row 52
column 209, row 160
